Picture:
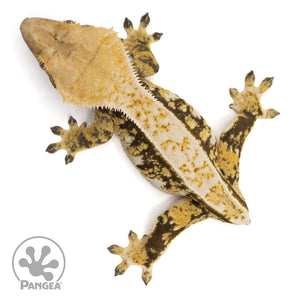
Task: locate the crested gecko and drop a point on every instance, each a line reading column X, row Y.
column 165, row 138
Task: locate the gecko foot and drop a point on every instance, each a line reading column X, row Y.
column 134, row 254
column 140, row 34
column 138, row 43
column 71, row 140
column 248, row 101
column 78, row 138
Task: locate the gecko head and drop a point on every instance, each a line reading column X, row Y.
column 48, row 40
column 80, row 60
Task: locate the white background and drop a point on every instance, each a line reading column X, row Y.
column 207, row 47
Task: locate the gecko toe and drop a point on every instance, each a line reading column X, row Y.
column 121, row 268
column 52, row 148
column 57, row 130
column 69, row 158
column 265, row 84
column 72, row 122
column 250, row 79
column 144, row 22
column 146, row 276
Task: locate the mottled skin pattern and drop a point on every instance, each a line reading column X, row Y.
column 79, row 138
column 224, row 154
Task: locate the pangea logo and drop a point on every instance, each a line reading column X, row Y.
column 39, row 263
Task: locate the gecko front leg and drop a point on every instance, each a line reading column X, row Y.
column 138, row 43
column 79, row 138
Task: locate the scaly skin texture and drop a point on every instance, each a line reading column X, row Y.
column 164, row 137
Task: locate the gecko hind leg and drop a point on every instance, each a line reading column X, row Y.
column 146, row 251
column 79, row 138
column 138, row 43
column 248, row 108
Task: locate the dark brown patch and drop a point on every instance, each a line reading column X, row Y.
column 236, row 135
column 83, row 141
column 150, row 62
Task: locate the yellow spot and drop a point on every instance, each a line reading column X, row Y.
column 218, row 197
column 184, row 169
column 166, row 237
column 190, row 122
column 183, row 212
column 164, row 219
column 165, row 172
column 155, row 133
column 183, row 107
column 227, row 159
column 136, row 150
column 172, row 104
column 204, row 134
